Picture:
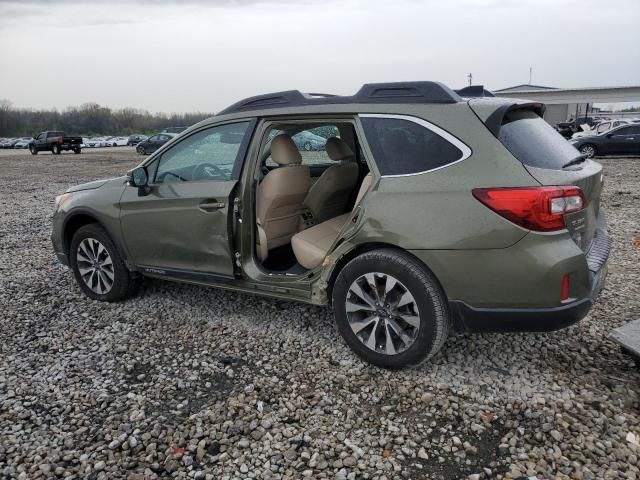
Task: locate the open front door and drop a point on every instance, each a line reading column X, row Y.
column 182, row 224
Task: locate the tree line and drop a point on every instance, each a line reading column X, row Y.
column 89, row 119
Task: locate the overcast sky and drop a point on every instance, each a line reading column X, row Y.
column 199, row 55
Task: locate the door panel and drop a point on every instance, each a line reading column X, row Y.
column 183, row 222
column 179, row 225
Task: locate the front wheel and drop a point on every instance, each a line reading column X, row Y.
column 588, row 150
column 390, row 309
column 33, row 149
column 98, row 266
column 140, row 150
column 77, row 150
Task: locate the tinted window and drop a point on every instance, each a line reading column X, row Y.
column 209, row 154
column 402, row 147
column 627, row 131
column 534, row 142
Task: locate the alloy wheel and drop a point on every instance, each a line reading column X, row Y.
column 588, row 150
column 382, row 313
column 95, row 266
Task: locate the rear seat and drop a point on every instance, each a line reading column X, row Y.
column 310, row 246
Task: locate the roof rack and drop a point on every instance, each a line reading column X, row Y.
column 474, row 91
column 397, row 92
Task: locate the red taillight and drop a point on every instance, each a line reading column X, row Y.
column 564, row 288
column 60, row 141
column 535, row 208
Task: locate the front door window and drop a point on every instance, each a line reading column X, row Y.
column 208, row 155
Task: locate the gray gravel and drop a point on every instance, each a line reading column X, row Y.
column 189, row 382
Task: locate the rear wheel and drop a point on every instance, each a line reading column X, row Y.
column 98, row 266
column 33, row 149
column 588, row 150
column 390, row 309
column 55, row 149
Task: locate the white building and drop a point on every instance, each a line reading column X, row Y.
column 565, row 103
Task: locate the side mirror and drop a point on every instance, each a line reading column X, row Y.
column 139, row 177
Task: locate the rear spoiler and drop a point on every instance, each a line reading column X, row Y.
column 495, row 120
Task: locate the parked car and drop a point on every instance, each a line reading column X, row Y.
column 623, row 140
column 173, row 130
column 55, row 142
column 8, row 142
column 153, row 143
column 134, row 140
column 601, row 127
column 23, row 142
column 309, row 141
column 97, row 142
column 568, row 128
column 117, row 141
column 464, row 212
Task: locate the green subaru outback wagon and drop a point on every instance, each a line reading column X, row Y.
column 421, row 210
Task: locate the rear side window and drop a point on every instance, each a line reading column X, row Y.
column 534, row 142
column 404, row 147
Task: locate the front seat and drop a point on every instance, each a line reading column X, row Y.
column 280, row 196
column 310, row 246
column 330, row 194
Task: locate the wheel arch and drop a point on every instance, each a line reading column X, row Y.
column 368, row 247
column 78, row 220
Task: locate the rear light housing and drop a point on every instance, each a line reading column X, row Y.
column 541, row 209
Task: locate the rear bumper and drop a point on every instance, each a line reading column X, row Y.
column 473, row 319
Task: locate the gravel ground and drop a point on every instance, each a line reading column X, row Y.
column 189, row 382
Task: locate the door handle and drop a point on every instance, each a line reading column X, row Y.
column 211, row 206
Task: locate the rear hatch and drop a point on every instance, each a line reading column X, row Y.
column 551, row 160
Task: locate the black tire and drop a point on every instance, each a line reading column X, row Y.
column 77, row 150
column 124, row 284
column 428, row 297
column 141, row 150
column 55, row 149
column 33, row 150
column 589, row 150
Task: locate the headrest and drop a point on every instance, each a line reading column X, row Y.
column 338, row 150
column 284, row 151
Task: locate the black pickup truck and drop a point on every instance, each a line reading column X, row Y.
column 55, row 142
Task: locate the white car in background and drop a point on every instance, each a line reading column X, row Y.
column 97, row 142
column 23, row 142
column 117, row 141
column 601, row 127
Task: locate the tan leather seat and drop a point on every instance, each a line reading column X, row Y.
column 329, row 195
column 280, row 196
column 311, row 245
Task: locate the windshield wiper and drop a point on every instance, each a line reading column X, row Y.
column 579, row 159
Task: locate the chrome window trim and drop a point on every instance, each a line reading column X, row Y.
column 463, row 147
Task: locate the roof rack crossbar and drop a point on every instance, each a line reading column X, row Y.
column 474, row 91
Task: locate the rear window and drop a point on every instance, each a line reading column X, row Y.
column 534, row 142
column 403, row 147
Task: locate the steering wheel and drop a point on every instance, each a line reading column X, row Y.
column 207, row 170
